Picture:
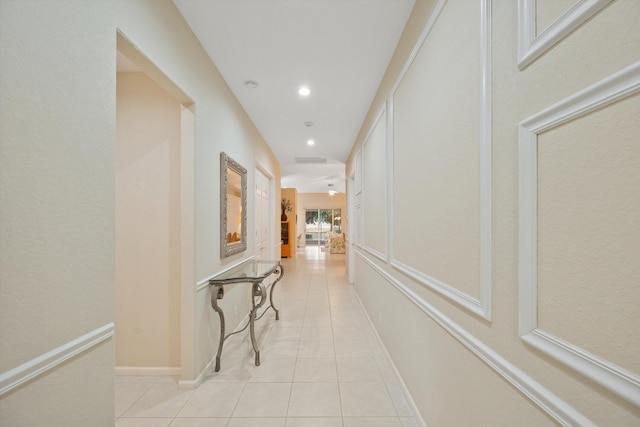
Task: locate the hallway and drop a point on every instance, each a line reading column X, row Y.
column 322, row 366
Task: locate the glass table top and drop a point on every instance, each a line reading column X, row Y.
column 251, row 270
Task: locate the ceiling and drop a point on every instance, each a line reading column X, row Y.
column 339, row 49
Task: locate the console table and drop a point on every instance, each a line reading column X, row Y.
column 254, row 273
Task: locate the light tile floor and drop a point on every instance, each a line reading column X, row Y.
column 321, row 366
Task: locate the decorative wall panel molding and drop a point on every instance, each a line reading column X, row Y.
column 369, row 171
column 606, row 92
column 532, row 45
column 358, row 167
column 40, row 365
column 358, row 217
column 557, row 409
column 358, row 198
column 470, row 303
column 375, row 253
column 482, row 305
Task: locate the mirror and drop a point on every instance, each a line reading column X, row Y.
column 233, row 207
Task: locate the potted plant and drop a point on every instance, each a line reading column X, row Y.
column 285, row 205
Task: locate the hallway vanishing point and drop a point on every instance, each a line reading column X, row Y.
column 322, row 366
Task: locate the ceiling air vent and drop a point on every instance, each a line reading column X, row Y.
column 310, row 159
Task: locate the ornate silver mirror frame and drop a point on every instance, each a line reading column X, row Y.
column 233, row 207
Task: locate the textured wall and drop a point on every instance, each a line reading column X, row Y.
column 57, row 183
column 57, row 212
column 588, row 233
column 463, row 368
column 147, row 224
column 436, row 148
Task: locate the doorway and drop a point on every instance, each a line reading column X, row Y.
column 320, row 222
column 263, row 215
column 154, row 219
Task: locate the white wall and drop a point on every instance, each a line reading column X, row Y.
column 58, row 92
column 147, row 225
column 220, row 125
column 57, row 213
column 319, row 201
column 510, row 293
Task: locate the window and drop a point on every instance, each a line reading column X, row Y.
column 318, row 222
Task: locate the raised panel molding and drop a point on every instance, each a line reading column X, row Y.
column 379, row 120
column 467, row 301
column 480, row 306
column 608, row 91
column 358, row 198
column 358, row 167
column 359, row 226
column 375, row 253
column 555, row 407
column 532, row 45
column 46, row 362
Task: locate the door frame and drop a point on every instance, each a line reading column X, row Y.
column 271, row 208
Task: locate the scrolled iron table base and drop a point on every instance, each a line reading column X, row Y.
column 258, row 299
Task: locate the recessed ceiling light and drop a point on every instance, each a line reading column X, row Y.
column 304, row 91
column 250, row 84
column 311, row 142
column 308, row 124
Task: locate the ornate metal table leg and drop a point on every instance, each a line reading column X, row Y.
column 273, row 286
column 252, row 320
column 258, row 291
column 216, row 294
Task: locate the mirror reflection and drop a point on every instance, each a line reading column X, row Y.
column 233, row 207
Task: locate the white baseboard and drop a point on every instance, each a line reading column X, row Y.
column 556, row 408
column 147, row 371
column 193, row 384
column 407, row 394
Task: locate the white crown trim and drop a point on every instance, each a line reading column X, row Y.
column 34, row 368
column 530, row 46
column 612, row 89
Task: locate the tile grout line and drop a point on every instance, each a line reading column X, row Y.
column 157, row 381
column 335, row 356
column 343, row 303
